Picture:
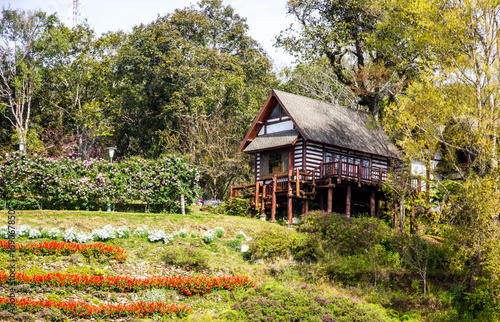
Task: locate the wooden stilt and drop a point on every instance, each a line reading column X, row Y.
column 263, row 203
column 257, row 188
column 297, row 183
column 306, row 206
column 348, row 201
column 372, row 203
column 329, row 200
column 290, row 210
column 273, row 200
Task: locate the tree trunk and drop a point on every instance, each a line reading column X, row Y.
column 183, row 206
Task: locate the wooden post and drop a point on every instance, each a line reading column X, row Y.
column 360, row 176
column 231, row 192
column 396, row 215
column 263, row 203
column 297, row 184
column 348, row 201
column 372, row 203
column 306, row 205
column 329, row 200
column 289, row 211
column 257, row 186
column 339, row 177
column 273, row 200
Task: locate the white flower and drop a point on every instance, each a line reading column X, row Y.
column 70, row 235
column 34, row 233
column 105, row 233
column 122, row 232
column 4, row 232
column 141, row 232
column 23, row 231
column 83, row 237
column 53, row 233
column 156, row 235
column 209, row 236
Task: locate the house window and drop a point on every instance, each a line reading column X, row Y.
column 277, row 112
column 274, row 163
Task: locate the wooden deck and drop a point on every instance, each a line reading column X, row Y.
column 304, row 185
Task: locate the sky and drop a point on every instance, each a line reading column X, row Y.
column 265, row 18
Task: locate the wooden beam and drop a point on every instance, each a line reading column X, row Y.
column 306, row 205
column 372, row 203
column 273, row 200
column 257, row 186
column 263, row 203
column 289, row 210
column 329, row 201
column 348, row 200
column 297, row 183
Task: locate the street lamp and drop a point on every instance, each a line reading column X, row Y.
column 111, row 150
column 21, row 146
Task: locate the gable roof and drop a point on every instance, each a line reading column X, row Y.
column 273, row 140
column 326, row 123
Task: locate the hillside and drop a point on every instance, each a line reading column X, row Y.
column 279, row 280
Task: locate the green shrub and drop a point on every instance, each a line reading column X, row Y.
column 219, row 232
column 271, row 243
column 346, row 235
column 300, row 303
column 237, row 207
column 187, row 256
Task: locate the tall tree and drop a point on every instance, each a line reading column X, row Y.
column 343, row 32
column 454, row 110
column 190, row 70
column 80, row 82
column 22, row 57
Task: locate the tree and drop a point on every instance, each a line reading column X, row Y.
column 185, row 73
column 345, row 32
column 81, row 81
column 22, row 57
column 454, row 110
column 317, row 79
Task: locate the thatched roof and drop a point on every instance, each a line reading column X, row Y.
column 323, row 122
column 274, row 140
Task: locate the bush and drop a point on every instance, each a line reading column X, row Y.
column 187, row 256
column 271, row 243
column 300, row 303
column 209, row 236
column 346, row 235
column 141, row 232
column 52, row 233
column 219, row 232
column 237, row 207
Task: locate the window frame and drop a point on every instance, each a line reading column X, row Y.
column 264, row 162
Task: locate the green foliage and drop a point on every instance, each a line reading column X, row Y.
column 300, row 303
column 272, row 242
column 345, row 235
column 70, row 183
column 479, row 305
column 189, row 257
column 237, row 207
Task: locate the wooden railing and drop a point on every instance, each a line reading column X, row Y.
column 348, row 170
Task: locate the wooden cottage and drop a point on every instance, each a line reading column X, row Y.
column 308, row 150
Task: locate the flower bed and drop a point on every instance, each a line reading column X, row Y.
column 184, row 285
column 85, row 310
column 96, row 250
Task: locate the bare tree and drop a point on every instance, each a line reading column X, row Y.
column 21, row 58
